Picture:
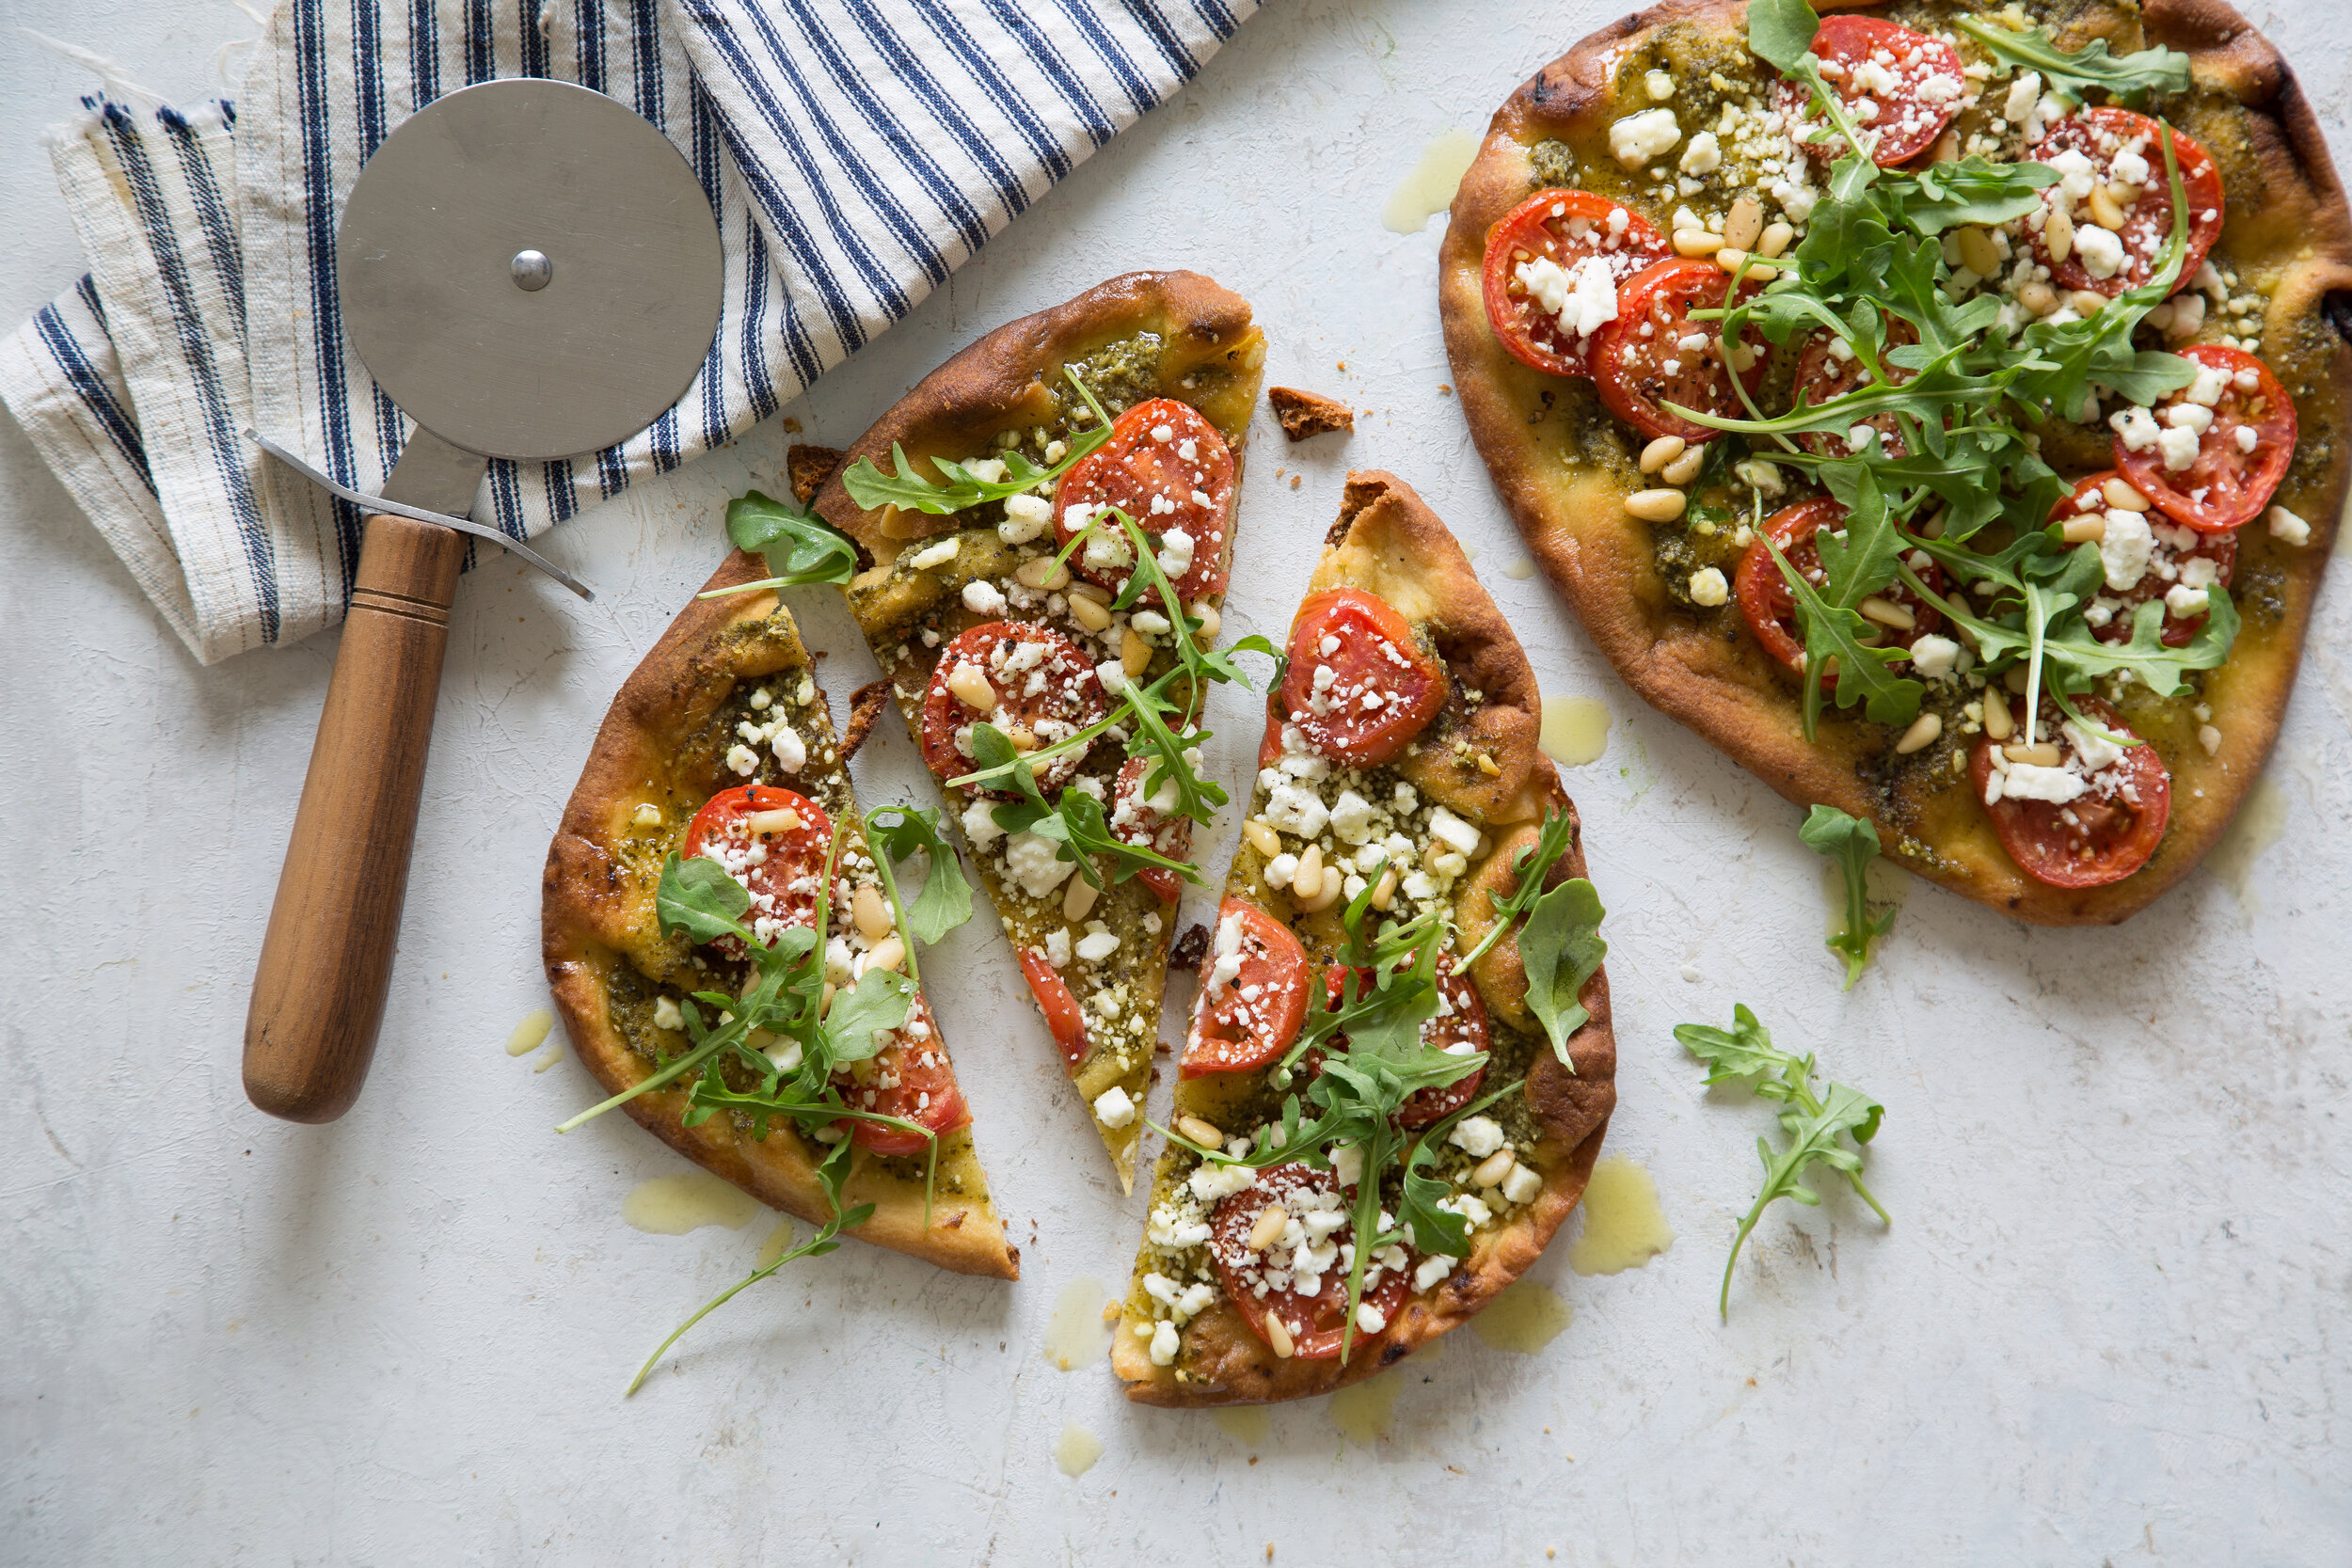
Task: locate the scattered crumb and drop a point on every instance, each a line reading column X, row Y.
column 808, row 468
column 1444, row 390
column 866, row 706
column 1342, row 364
column 1293, row 481
column 1691, row 973
column 1189, row 948
column 791, row 427
column 1306, row 415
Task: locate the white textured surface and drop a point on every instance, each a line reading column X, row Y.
column 2107, row 1324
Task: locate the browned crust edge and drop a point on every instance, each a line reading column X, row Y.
column 579, row 902
column 1383, row 520
column 1661, row 659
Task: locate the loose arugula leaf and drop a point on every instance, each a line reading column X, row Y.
column 1812, row 1122
column 827, row 1239
column 2126, row 78
column 1852, row 843
column 946, row 901
column 959, row 489
column 1561, row 946
column 799, row 547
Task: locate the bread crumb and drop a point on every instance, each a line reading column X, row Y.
column 1305, row 415
column 808, row 468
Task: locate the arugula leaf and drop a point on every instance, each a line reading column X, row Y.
column 827, row 1239
column 2126, row 78
column 1553, row 839
column 799, row 547
column 959, row 489
column 946, row 901
column 1852, row 843
column 1865, row 674
column 1561, row 946
column 879, row 1003
column 698, row 898
column 1944, row 197
column 1812, row 1122
column 1780, row 32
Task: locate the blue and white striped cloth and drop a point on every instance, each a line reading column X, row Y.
column 856, row 152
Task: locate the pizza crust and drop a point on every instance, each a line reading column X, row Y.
column 1387, row 541
column 596, row 915
column 1600, row 560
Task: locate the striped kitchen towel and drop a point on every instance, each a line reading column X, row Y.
column 855, row 151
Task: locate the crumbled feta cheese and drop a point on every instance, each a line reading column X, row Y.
column 1031, row 862
column 1351, row 818
column 983, row 597
column 2023, row 93
column 1370, row 1318
column 1704, row 155
column 1444, row 825
column 1212, row 1183
column 2100, row 250
column 2188, row 415
column 2125, row 549
column 1433, row 1268
column 1521, row 1185
column 2137, row 428
column 743, row 759
column 1708, row 586
column 1058, row 947
column 1347, row 1164
column 1097, row 946
column 2028, row 781
column 980, row 824
column 936, row 555
column 2177, row 447
column 666, row 1014
column 790, row 749
column 1163, row 1344
column 1027, row 517
column 1175, row 553
column 2287, row 525
column 1477, row 1136
column 1634, row 141
column 1292, row 809
column 2185, row 601
column 1112, row 1107
column 1933, row 656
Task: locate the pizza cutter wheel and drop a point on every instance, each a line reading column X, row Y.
column 528, row 270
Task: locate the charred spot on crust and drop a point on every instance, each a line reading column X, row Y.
column 1392, row 1354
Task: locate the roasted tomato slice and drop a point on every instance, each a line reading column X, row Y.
column 1167, row 467
column 1460, row 1028
column 2118, row 150
column 1044, row 689
column 1297, row 1277
column 2090, row 817
column 780, row 859
column 2228, row 477
column 909, row 1078
column 1062, row 1014
column 1151, row 823
column 1253, row 995
column 2174, row 556
column 1771, row 610
column 1900, row 87
column 1653, row 353
column 1358, row 685
column 1553, row 267
column 1822, row 374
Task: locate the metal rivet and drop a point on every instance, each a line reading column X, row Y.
column 532, row 270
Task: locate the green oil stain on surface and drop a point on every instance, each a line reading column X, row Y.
column 1624, row 1225
column 1523, row 1318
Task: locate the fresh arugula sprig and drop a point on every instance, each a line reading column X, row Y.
column 799, row 547
column 1812, row 1121
column 1559, row 943
column 1852, row 843
column 2126, row 78
column 959, row 489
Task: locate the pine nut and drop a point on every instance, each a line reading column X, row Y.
column 1696, row 242
column 1976, row 252
column 1775, row 239
column 1729, row 258
column 769, row 823
column 1683, row 469
column 1211, row 622
column 1042, row 571
column 889, row 954
column 1745, row 224
column 2123, row 493
column 2014, row 679
column 1947, row 148
column 1094, row 590
column 1662, row 452
column 2057, row 235
column 1203, row 1133
column 1308, row 877
column 824, row 999
column 1023, row 738
column 2041, row 755
column 2086, row 302
column 1384, row 891
column 2126, row 194
column 1922, row 734
column 1997, row 723
column 970, row 685
column 2038, row 298
column 1262, row 837
column 1277, row 1338
column 870, row 913
column 1079, row 899
column 1091, row 613
column 2210, row 739
column 1655, row 506
column 1334, row 883
column 1272, row 1219
column 1134, row 653
column 2103, row 209
column 2084, row 530
column 1887, row 612
column 1492, row 1169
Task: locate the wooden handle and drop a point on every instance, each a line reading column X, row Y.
column 326, row 962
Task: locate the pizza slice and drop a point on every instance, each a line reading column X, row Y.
column 713, row 862
column 1047, row 525
column 1399, row 1066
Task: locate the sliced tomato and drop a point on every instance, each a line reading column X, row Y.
column 1653, row 353
column 783, row 868
column 1770, row 609
column 1822, row 376
column 1046, row 690
column 2101, row 136
column 2224, row 486
column 1253, row 995
column 2101, row 835
column 1134, row 819
column 1534, row 260
column 1900, row 87
column 2174, row 546
column 1461, row 1027
column 1358, row 685
column 1062, row 1014
column 1267, row 1284
column 909, row 1077
column 1167, row 467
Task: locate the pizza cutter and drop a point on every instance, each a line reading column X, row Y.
column 528, row 270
